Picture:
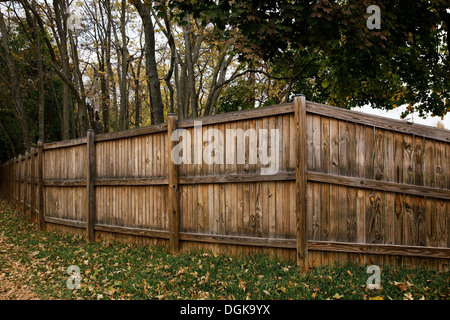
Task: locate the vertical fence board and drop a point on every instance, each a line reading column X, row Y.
column 301, row 182
column 173, row 196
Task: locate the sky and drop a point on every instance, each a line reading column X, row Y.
column 415, row 118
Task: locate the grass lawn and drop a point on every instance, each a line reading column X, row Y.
column 33, row 265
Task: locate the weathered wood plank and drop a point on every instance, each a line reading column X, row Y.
column 239, row 240
column 240, row 115
column 379, row 185
column 64, row 144
column 173, row 195
column 378, row 121
column 414, row 251
column 41, row 185
column 301, row 182
column 90, row 191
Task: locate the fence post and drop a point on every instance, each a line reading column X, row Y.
column 13, row 180
column 90, row 191
column 301, row 182
column 32, row 184
column 16, row 181
column 19, row 181
column 41, row 185
column 11, row 177
column 25, row 182
column 2, row 182
column 173, row 199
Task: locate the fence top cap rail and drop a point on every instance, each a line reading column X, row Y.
column 380, row 121
column 63, row 144
column 132, row 132
column 240, row 115
column 330, row 111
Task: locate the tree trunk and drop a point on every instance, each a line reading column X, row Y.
column 123, row 116
column 40, row 75
column 157, row 107
column 190, row 67
column 60, row 8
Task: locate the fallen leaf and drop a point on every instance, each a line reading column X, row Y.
column 110, row 291
column 408, row 296
column 349, row 273
column 337, row 296
column 376, row 298
column 401, row 285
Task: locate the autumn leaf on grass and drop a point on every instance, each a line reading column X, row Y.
column 110, row 291
column 338, row 296
column 408, row 296
column 242, row 284
column 349, row 273
column 401, row 285
column 376, row 298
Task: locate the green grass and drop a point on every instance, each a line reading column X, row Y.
column 120, row 271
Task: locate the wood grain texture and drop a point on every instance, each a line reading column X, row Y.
column 41, row 214
column 173, row 195
column 90, row 192
column 350, row 187
column 301, row 181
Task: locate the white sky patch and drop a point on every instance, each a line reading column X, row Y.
column 396, row 114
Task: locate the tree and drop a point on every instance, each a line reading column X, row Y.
column 405, row 62
column 13, row 83
column 157, row 107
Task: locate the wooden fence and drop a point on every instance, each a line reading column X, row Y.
column 350, row 186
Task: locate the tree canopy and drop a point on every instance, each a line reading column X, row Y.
column 68, row 65
column 327, row 51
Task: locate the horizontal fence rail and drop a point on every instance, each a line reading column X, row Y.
column 316, row 185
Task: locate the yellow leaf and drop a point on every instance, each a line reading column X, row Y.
column 349, row 273
column 376, row 298
column 337, row 296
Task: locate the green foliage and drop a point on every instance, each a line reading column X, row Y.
column 24, row 55
column 405, row 62
column 238, row 96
